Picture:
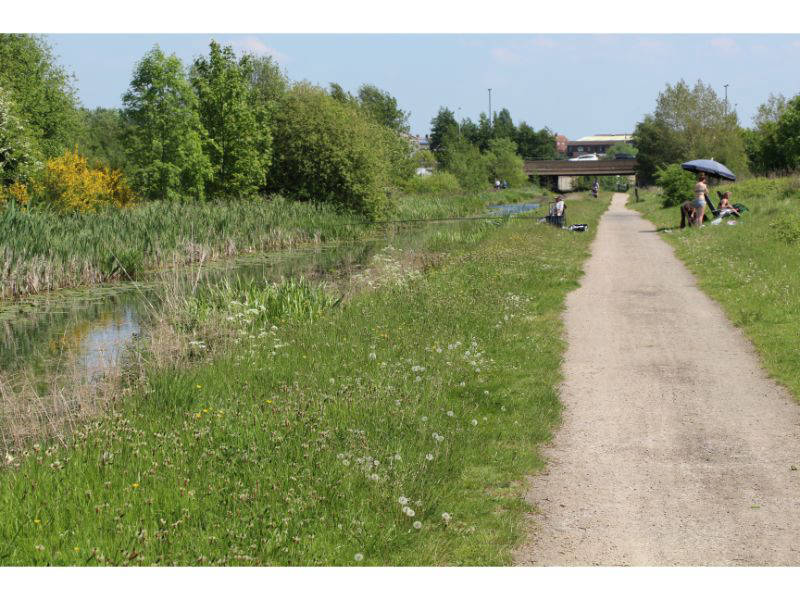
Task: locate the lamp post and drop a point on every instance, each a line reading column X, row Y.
column 726, row 98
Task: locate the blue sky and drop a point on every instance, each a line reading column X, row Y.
column 575, row 84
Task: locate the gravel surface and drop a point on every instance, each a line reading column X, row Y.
column 675, row 448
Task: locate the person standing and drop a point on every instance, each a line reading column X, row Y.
column 699, row 202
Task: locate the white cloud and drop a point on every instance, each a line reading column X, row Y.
column 724, row 44
column 256, row 46
column 505, row 56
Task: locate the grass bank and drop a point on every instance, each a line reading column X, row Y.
column 42, row 251
column 393, row 429
column 752, row 269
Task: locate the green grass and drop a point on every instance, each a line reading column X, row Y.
column 42, row 251
column 296, row 447
column 751, row 269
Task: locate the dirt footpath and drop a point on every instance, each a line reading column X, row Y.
column 663, row 457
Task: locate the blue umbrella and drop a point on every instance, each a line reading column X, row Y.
column 710, row 167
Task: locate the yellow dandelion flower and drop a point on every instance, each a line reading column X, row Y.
column 135, row 485
column 77, row 548
column 37, row 522
column 198, row 386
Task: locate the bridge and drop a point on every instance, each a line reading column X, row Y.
column 561, row 172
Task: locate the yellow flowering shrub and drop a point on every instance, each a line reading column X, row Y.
column 70, row 184
column 17, row 192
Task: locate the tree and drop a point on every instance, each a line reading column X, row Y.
column 442, row 125
column 327, row 151
column 19, row 154
column 787, row 133
column 425, row 158
column 503, row 162
column 164, row 136
column 382, row 107
column 269, row 83
column 765, row 151
column 101, row 139
column 238, row 143
column 534, row 144
column 41, row 91
column 503, row 126
column 688, row 123
column 621, row 148
column 463, row 159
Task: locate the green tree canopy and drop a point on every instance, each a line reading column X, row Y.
column 463, row 159
column 382, row 106
column 238, row 142
column 329, row 152
column 101, row 140
column 41, row 90
column 688, row 123
column 787, row 133
column 19, row 155
column 442, row 125
column 621, row 148
column 163, row 135
column 503, row 162
column 537, row 145
column 503, row 125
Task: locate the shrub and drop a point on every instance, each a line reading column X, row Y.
column 329, row 152
column 503, row 162
column 464, row 160
column 677, row 185
column 69, row 184
column 436, row 183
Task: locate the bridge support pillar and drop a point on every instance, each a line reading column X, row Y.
column 565, row 183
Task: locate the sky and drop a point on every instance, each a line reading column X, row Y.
column 575, row 84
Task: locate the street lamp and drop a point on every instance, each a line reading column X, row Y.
column 726, row 98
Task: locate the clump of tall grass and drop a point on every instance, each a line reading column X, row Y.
column 41, row 251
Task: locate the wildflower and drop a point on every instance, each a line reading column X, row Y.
column 409, row 512
column 417, row 369
column 37, row 522
column 374, row 477
column 358, row 557
column 39, row 547
column 474, row 422
column 424, row 418
column 485, row 392
column 331, row 381
column 462, row 384
column 446, row 517
column 417, row 525
column 77, row 548
column 438, row 437
column 135, row 485
column 503, row 408
column 429, row 456
column 417, row 379
column 346, row 462
column 450, row 413
column 398, row 457
column 403, row 500
column 9, row 458
column 372, row 356
column 198, row 386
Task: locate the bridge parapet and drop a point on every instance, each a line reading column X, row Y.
column 581, row 167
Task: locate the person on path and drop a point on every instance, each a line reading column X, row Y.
column 699, row 202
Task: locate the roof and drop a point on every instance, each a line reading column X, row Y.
column 607, row 137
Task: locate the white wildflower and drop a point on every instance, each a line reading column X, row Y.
column 417, row 525
column 358, row 557
column 450, row 413
column 403, row 500
column 474, row 422
column 374, row 477
column 424, row 419
column 429, row 456
column 417, row 379
column 409, row 512
column 398, row 457
column 372, row 356
column 446, row 517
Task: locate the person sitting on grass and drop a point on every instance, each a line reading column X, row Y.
column 725, row 204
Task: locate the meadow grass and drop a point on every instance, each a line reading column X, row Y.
column 42, row 251
column 393, row 429
column 752, row 269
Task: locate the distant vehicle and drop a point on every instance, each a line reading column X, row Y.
column 585, row 157
column 623, row 156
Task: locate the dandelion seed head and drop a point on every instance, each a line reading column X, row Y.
column 450, row 413
column 372, row 356
column 424, row 418
column 403, row 500
column 358, row 557
column 429, row 456
column 446, row 517
column 417, row 525
column 474, row 422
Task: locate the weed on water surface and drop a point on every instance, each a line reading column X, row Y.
column 750, row 268
column 392, row 429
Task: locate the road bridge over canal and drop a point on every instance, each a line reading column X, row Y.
column 561, row 172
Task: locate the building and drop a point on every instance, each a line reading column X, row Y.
column 561, row 143
column 596, row 144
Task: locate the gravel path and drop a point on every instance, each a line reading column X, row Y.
column 662, row 459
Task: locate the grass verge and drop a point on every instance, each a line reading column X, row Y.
column 751, row 269
column 389, row 430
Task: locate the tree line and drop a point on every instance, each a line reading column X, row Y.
column 691, row 122
column 222, row 127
